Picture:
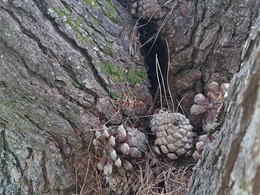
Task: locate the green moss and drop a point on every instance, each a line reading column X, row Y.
column 197, row 22
column 111, row 13
column 116, row 96
column 132, row 78
column 190, row 72
column 92, row 3
column 96, row 21
column 108, row 8
column 85, row 63
column 109, row 49
column 114, row 71
column 184, row 61
column 135, row 76
column 76, row 26
column 79, row 86
column 61, row 12
column 119, row 74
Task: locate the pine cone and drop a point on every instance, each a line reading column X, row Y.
column 202, row 141
column 174, row 134
column 123, row 183
column 119, row 147
column 211, row 104
column 146, row 9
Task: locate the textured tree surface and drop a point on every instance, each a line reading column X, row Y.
column 68, row 66
column 205, row 40
column 63, row 66
column 231, row 164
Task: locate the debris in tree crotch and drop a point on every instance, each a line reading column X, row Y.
column 211, row 104
column 119, row 148
column 174, row 136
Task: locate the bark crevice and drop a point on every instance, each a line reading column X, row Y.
column 67, row 68
column 74, row 44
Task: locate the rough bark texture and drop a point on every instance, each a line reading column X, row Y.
column 205, row 40
column 231, row 164
column 65, row 68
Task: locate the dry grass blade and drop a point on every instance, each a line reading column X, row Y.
column 162, row 80
column 177, row 179
column 164, row 179
column 155, row 36
column 87, row 171
column 167, row 74
column 179, row 104
column 159, row 177
column 92, row 183
column 134, row 32
column 118, row 111
column 158, row 79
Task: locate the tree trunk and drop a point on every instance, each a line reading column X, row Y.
column 204, row 44
column 231, row 164
column 68, row 67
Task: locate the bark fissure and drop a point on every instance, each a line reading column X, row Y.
column 156, row 47
column 65, row 66
column 23, row 59
column 45, row 174
column 227, row 4
column 72, row 124
column 34, row 123
column 73, row 43
column 26, row 31
column 256, row 188
column 60, row 82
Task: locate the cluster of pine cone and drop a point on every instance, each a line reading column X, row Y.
column 120, row 148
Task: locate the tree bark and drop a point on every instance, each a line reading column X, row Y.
column 68, row 67
column 205, row 40
column 231, row 164
column 204, row 44
column 65, row 69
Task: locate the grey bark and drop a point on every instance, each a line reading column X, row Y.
column 205, row 40
column 63, row 67
column 68, row 66
column 231, row 164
